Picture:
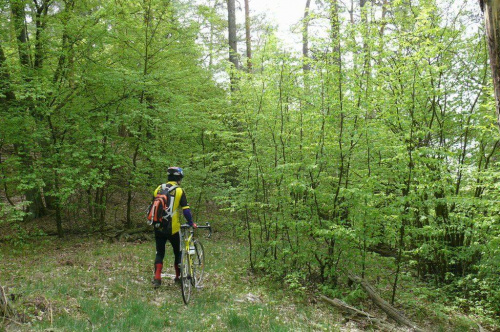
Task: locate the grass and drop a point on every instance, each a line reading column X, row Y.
column 88, row 284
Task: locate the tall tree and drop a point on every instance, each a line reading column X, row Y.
column 232, row 40
column 232, row 37
column 19, row 19
column 491, row 10
column 248, row 37
column 36, row 207
column 305, row 38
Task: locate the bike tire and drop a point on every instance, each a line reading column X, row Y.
column 198, row 263
column 185, row 277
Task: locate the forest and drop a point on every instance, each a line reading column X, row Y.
column 368, row 152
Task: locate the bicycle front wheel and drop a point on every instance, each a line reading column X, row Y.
column 185, row 277
column 198, row 262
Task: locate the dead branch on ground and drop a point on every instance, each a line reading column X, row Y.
column 383, row 304
column 6, row 310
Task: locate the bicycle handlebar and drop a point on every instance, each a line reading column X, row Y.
column 207, row 226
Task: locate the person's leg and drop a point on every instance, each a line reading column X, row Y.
column 175, row 241
column 160, row 254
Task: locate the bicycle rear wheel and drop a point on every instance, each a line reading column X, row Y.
column 198, row 262
column 185, row 277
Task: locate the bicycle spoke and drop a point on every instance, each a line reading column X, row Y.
column 198, row 263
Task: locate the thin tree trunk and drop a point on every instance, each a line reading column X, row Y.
column 60, row 232
column 305, row 38
column 405, row 194
column 40, row 18
column 248, row 36
column 130, row 197
column 491, row 10
column 383, row 23
column 232, row 40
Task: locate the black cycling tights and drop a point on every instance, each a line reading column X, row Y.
column 161, row 241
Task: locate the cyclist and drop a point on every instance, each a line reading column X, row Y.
column 174, row 176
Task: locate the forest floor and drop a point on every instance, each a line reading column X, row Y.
column 87, row 283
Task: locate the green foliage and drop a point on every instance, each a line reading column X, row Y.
column 119, row 97
column 20, row 239
column 389, row 141
column 296, row 282
column 10, row 214
column 387, row 144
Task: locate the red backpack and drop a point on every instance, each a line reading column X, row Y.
column 161, row 210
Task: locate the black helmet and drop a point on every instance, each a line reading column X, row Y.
column 175, row 173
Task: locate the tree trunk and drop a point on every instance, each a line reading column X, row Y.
column 19, row 19
column 232, row 40
column 248, row 37
column 128, row 223
column 40, row 19
column 305, row 39
column 36, row 208
column 60, row 232
column 491, row 10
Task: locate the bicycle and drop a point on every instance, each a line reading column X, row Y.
column 192, row 260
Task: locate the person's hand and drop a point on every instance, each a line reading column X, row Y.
column 194, row 226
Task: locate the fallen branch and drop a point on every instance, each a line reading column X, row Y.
column 356, row 312
column 345, row 307
column 6, row 310
column 383, row 304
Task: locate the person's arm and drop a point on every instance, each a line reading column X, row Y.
column 186, row 211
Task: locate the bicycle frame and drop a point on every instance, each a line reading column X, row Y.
column 188, row 244
column 187, row 248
